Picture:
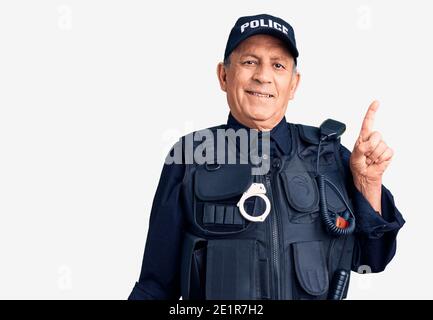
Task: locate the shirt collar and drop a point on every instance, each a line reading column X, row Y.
column 280, row 134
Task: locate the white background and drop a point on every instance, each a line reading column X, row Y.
column 94, row 93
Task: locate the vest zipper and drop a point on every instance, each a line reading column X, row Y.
column 275, row 265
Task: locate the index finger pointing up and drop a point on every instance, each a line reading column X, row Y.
column 367, row 124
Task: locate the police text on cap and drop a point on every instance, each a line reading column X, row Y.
column 261, row 23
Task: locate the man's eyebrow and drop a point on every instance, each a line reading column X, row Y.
column 248, row 54
column 279, row 57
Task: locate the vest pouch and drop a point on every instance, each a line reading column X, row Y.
column 231, row 269
column 302, row 194
column 193, row 268
column 218, row 188
column 311, row 270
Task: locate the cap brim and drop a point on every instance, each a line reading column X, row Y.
column 272, row 32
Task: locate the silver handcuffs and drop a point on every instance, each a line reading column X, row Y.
column 255, row 190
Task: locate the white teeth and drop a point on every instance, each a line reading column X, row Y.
column 260, row 95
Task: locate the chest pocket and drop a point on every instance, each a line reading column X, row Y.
column 217, row 190
column 302, row 194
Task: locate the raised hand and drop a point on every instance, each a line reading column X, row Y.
column 371, row 155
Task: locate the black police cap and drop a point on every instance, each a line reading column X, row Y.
column 261, row 24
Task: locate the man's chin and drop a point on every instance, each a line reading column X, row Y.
column 260, row 115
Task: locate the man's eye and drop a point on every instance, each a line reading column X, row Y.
column 249, row 62
column 279, row 66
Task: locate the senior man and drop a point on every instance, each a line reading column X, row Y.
column 290, row 223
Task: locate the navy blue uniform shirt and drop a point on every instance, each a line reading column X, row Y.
column 375, row 243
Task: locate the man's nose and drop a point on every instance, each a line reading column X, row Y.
column 263, row 74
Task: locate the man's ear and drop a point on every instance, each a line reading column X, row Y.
column 296, row 77
column 222, row 76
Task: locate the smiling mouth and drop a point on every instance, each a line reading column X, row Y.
column 259, row 94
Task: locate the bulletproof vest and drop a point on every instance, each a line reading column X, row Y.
column 289, row 255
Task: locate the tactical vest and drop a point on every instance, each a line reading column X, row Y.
column 290, row 255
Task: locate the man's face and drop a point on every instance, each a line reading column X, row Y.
column 259, row 81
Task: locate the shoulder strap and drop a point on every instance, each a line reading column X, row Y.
column 309, row 134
